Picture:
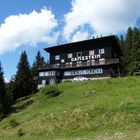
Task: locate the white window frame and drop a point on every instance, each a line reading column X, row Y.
column 88, row 62
column 41, row 74
column 102, row 61
column 43, row 82
column 91, row 53
column 92, row 62
column 57, row 57
column 101, row 51
column 79, row 63
column 69, row 55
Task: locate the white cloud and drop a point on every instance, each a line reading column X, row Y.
column 28, row 29
column 80, row 35
column 103, row 16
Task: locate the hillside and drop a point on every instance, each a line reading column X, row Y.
column 101, row 110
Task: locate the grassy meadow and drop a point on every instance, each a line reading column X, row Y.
column 102, row 110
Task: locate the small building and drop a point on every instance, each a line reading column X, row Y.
column 94, row 58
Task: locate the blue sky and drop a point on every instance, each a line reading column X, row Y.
column 32, row 25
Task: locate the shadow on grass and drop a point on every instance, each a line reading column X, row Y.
column 21, row 104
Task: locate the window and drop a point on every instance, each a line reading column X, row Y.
column 70, row 64
column 50, row 73
column 57, row 57
column 41, row 74
column 99, row 71
column 67, row 64
column 102, row 61
column 79, row 54
column 88, row 63
column 69, row 55
column 91, row 52
column 101, row 51
column 57, row 65
column 43, row 82
column 92, row 62
column 83, row 72
column 79, row 63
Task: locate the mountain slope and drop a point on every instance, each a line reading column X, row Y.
column 103, row 109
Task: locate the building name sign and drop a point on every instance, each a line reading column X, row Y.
column 82, row 58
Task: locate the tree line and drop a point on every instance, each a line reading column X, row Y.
column 130, row 46
column 24, row 82
column 21, row 84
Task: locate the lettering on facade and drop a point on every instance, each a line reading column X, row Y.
column 90, row 57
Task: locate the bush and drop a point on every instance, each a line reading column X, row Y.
column 20, row 132
column 13, row 123
column 52, row 91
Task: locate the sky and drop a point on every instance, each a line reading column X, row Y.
column 32, row 25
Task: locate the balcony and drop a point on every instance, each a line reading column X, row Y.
column 83, row 64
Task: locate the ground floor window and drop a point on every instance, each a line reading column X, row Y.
column 47, row 73
column 83, row 72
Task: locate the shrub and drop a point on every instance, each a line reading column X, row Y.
column 13, row 123
column 52, row 91
column 20, row 132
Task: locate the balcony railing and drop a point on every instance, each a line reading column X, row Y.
column 83, row 64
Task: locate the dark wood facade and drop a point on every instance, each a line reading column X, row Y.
column 90, row 58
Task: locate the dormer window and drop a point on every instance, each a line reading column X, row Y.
column 57, row 57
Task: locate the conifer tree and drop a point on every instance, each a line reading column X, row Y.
column 131, row 50
column 2, row 93
column 23, row 79
column 39, row 62
column 135, row 51
column 127, row 50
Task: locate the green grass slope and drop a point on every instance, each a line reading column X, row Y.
column 111, row 112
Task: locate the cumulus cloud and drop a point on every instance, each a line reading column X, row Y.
column 28, row 29
column 80, row 35
column 103, row 16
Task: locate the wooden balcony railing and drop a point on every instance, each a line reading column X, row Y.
column 83, row 64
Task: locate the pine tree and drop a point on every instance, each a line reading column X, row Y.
column 127, row 50
column 2, row 84
column 2, row 93
column 39, row 62
column 131, row 50
column 23, row 79
column 135, row 51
